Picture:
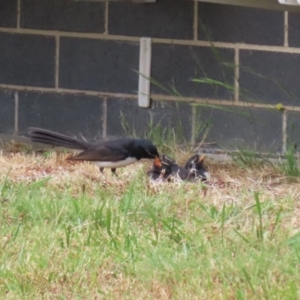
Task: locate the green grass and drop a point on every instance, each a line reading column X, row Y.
column 140, row 242
column 249, row 158
column 290, row 166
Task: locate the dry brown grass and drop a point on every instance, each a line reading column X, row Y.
column 228, row 181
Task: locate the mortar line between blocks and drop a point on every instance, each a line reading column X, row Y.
column 16, row 115
column 134, row 39
column 57, row 41
column 104, row 118
column 236, row 74
column 284, row 131
column 18, row 13
column 195, row 24
column 134, row 97
column 286, row 29
column 106, row 18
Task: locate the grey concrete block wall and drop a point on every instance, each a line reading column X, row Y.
column 60, row 15
column 163, row 116
column 269, row 77
column 242, row 127
column 105, row 65
column 293, row 125
column 8, row 13
column 163, row 19
column 76, row 115
column 71, row 66
column 235, row 24
column 27, row 59
column 7, row 111
column 178, row 65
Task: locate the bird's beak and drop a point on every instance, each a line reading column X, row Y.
column 201, row 159
column 157, row 162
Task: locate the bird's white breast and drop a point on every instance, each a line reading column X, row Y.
column 116, row 164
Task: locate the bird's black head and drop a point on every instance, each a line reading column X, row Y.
column 144, row 149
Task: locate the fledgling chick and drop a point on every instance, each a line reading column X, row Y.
column 166, row 169
column 158, row 171
column 196, row 165
column 174, row 170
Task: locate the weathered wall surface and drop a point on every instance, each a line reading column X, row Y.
column 70, row 66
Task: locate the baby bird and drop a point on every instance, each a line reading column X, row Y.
column 167, row 169
column 158, row 171
column 195, row 165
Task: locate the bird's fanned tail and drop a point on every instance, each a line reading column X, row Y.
column 52, row 138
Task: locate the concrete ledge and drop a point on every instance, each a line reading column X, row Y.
column 266, row 4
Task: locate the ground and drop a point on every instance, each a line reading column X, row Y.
column 69, row 232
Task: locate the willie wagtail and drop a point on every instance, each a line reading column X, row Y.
column 106, row 154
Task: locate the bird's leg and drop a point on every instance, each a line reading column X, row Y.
column 113, row 170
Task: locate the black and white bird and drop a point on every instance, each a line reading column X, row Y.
column 195, row 165
column 106, row 154
column 175, row 170
column 159, row 172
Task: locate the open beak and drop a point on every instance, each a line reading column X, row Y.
column 157, row 162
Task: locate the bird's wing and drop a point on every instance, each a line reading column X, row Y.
column 103, row 153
